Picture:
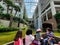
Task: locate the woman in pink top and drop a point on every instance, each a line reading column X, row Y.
column 18, row 38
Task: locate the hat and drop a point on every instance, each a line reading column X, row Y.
column 39, row 30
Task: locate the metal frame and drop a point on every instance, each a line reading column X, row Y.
column 30, row 2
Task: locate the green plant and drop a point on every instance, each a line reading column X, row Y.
column 57, row 15
column 58, row 26
column 7, row 29
column 7, row 16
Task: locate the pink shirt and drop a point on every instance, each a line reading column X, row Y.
column 19, row 42
column 28, row 39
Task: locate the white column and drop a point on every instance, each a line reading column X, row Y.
column 53, row 7
column 39, row 13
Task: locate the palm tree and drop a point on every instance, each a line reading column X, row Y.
column 1, row 9
column 9, row 4
column 17, row 9
column 25, row 17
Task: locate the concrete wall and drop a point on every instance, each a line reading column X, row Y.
column 6, row 23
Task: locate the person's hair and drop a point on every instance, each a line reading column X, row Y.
column 49, row 29
column 18, row 35
column 28, row 32
column 35, row 36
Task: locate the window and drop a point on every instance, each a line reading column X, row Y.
column 49, row 14
column 44, row 18
column 57, row 2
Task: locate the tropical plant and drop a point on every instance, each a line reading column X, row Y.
column 25, row 17
column 57, row 17
column 6, row 16
column 9, row 3
column 1, row 9
column 17, row 9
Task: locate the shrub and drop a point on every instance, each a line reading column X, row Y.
column 7, row 16
column 58, row 26
column 23, row 28
column 7, row 29
column 57, row 17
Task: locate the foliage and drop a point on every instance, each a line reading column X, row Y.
column 7, row 29
column 17, row 8
column 8, row 2
column 7, row 16
column 57, row 17
column 1, row 8
column 16, row 18
column 58, row 26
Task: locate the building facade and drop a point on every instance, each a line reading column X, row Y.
column 46, row 12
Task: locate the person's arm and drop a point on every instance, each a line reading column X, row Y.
column 32, row 37
column 20, row 41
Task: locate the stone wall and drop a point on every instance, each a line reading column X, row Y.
column 6, row 23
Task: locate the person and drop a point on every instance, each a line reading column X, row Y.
column 43, row 39
column 50, row 35
column 18, row 38
column 59, row 43
column 38, row 33
column 29, row 38
column 35, row 41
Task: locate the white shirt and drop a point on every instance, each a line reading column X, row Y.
column 28, row 39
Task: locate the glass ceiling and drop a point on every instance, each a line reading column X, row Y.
column 30, row 7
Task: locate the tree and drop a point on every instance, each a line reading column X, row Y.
column 17, row 9
column 25, row 17
column 9, row 4
column 1, row 9
column 57, row 17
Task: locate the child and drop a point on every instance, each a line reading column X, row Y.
column 38, row 33
column 29, row 37
column 18, row 38
column 35, row 41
